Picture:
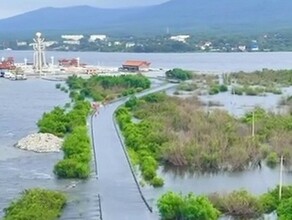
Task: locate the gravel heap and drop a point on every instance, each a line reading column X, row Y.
column 40, row 142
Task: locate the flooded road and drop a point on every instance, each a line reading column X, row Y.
column 120, row 195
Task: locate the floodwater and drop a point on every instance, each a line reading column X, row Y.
column 23, row 103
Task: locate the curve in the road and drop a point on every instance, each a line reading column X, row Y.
column 120, row 194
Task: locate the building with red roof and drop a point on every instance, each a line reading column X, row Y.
column 136, row 66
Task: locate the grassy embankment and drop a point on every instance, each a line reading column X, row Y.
column 36, row 204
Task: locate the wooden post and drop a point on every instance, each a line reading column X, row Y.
column 252, row 132
column 281, row 178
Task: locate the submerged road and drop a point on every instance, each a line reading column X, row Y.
column 119, row 193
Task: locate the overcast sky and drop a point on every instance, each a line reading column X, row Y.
column 13, row 7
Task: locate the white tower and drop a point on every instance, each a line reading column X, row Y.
column 39, row 54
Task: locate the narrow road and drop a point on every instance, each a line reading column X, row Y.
column 120, row 197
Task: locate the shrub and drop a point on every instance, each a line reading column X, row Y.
column 58, row 86
column 37, row 204
column 223, row 88
column 214, row 90
column 177, row 73
column 157, row 182
column 270, row 200
column 284, row 210
column 170, row 205
column 176, row 206
column 238, row 203
column 272, row 159
column 72, row 168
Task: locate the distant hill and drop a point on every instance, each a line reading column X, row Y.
column 188, row 16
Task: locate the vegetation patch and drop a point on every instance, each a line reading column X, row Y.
column 173, row 206
column 77, row 155
column 179, row 74
column 265, row 78
column 216, row 88
column 237, row 203
column 37, row 204
column 106, row 88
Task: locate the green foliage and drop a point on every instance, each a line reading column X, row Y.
column 37, row 204
column 72, row 168
column 265, row 78
column 157, row 182
column 216, row 88
column 77, row 155
column 100, row 88
column 58, row 122
column 132, row 102
column 284, row 210
column 170, row 205
column 272, row 159
column 174, row 206
column 54, row 122
column 179, row 74
column 187, row 87
column 270, row 200
column 238, row 203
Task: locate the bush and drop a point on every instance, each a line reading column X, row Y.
column 223, row 88
column 58, row 86
column 238, row 203
column 72, row 168
column 272, row 159
column 237, row 91
column 270, row 200
column 170, row 205
column 177, row 73
column 77, row 155
column 214, row 90
column 157, row 182
column 284, row 210
column 175, row 206
column 54, row 122
column 37, row 204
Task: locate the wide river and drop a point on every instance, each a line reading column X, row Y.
column 23, row 103
column 205, row 62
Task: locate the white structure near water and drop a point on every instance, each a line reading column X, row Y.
column 39, row 58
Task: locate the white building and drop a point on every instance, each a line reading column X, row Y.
column 94, row 38
column 180, row 38
column 242, row 48
column 128, row 45
column 72, row 37
column 72, row 42
column 21, row 43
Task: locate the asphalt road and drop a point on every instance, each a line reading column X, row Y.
column 119, row 193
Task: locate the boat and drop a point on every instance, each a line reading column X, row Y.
column 18, row 77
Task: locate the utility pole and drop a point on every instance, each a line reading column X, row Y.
column 281, row 178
